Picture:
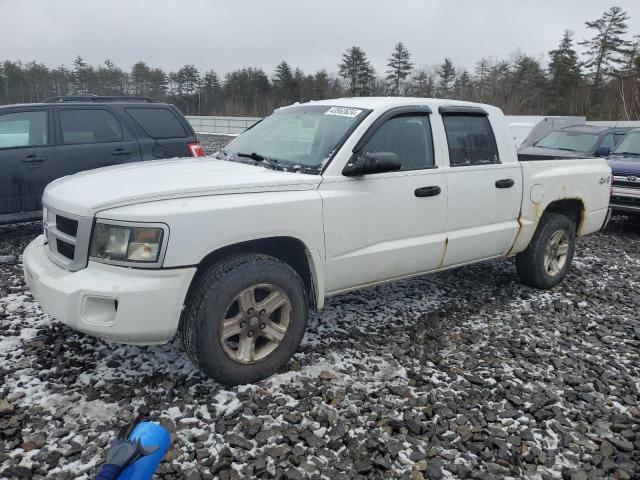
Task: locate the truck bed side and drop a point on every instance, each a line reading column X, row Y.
column 556, row 184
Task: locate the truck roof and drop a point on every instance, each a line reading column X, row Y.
column 375, row 103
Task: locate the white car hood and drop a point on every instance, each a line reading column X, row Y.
column 87, row 192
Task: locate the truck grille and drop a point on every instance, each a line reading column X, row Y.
column 68, row 238
column 626, row 181
column 631, row 201
column 66, row 249
column 67, row 225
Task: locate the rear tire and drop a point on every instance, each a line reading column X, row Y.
column 245, row 318
column 548, row 257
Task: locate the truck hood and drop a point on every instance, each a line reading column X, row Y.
column 625, row 166
column 87, row 192
column 540, row 153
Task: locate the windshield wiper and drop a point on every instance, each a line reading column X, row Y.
column 554, row 148
column 262, row 160
column 627, row 154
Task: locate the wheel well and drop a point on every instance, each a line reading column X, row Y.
column 571, row 208
column 288, row 249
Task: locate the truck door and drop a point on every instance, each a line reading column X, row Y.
column 26, row 146
column 484, row 193
column 90, row 137
column 387, row 225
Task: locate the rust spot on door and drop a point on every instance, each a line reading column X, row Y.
column 444, row 254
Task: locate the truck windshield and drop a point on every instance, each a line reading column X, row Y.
column 300, row 138
column 573, row 141
column 630, row 146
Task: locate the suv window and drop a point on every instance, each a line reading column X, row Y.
column 158, row 122
column 470, row 139
column 89, row 126
column 23, row 129
column 409, row 137
column 608, row 141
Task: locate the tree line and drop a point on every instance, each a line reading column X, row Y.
column 602, row 83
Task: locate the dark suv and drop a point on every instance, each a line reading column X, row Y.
column 40, row 142
column 579, row 141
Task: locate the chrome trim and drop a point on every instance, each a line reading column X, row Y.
column 80, row 242
column 626, row 181
column 133, row 264
column 624, row 208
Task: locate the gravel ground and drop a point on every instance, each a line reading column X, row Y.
column 464, row 374
column 213, row 143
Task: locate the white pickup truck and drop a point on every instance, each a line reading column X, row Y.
column 317, row 199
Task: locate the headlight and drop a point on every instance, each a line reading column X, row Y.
column 123, row 244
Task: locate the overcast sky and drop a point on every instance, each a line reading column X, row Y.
column 312, row 34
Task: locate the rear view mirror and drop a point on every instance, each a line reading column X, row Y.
column 603, row 151
column 375, row 162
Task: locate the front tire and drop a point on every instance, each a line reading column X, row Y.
column 548, row 257
column 245, row 318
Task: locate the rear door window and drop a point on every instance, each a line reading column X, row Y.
column 159, row 123
column 23, row 129
column 89, row 126
column 470, row 139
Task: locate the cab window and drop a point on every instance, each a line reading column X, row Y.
column 470, row 139
column 409, row 137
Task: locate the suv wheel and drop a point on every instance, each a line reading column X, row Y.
column 245, row 318
column 546, row 260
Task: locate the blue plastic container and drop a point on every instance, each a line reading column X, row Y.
column 150, row 435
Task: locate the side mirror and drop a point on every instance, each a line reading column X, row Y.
column 603, row 151
column 375, row 162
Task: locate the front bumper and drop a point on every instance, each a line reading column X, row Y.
column 114, row 303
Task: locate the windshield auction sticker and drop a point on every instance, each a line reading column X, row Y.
column 343, row 112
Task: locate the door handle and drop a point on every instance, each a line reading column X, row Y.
column 33, row 161
column 505, row 183
column 120, row 151
column 428, row 191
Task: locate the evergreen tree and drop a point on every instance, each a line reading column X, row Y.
column 298, row 86
column 481, row 75
column 447, row 74
column 498, row 77
column 157, row 84
column 111, row 80
column 283, row 83
column 140, row 78
column 463, row 86
column 61, row 81
column 189, row 79
column 422, row 84
column 400, row 68
column 607, row 48
column 185, row 89
column 564, row 76
column 526, row 86
column 357, row 71
column 211, row 93
column 84, row 76
column 321, row 85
